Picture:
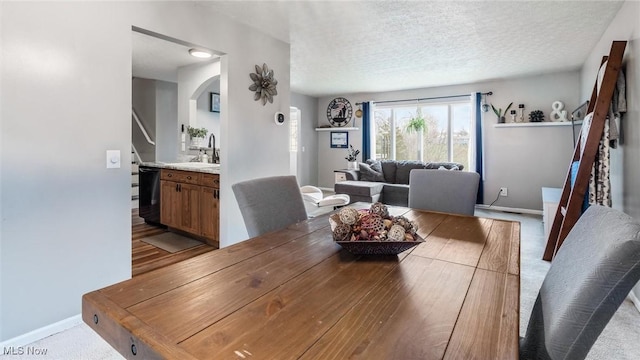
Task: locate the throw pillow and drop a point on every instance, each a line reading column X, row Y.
column 367, row 173
column 375, row 165
column 451, row 168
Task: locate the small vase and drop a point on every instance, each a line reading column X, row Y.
column 352, row 165
column 501, row 120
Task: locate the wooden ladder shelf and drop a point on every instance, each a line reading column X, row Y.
column 571, row 200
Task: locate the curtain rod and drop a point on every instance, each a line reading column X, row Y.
column 427, row 98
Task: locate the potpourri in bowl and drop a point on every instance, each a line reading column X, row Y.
column 373, row 231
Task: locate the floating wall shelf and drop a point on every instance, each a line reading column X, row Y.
column 338, row 129
column 537, row 124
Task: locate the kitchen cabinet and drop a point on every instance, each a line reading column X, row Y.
column 190, row 203
column 210, row 206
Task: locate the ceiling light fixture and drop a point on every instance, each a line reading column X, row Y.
column 200, row 53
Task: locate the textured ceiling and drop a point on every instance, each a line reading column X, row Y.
column 340, row 47
column 370, row 46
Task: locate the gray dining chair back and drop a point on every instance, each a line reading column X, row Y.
column 447, row 191
column 269, row 203
column 590, row 276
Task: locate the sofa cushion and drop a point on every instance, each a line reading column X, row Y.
column 369, row 173
column 404, row 168
column 389, row 170
column 375, row 165
column 445, row 165
column 359, row 188
column 395, row 194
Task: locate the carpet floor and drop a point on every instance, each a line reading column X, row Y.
column 619, row 340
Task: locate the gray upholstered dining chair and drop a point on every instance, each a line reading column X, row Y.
column 269, row 203
column 590, row 276
column 446, row 191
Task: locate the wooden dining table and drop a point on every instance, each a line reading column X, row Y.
column 296, row 294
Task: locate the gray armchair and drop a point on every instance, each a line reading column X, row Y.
column 269, row 204
column 443, row 190
column 592, row 273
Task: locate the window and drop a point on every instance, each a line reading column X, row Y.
column 295, row 117
column 430, row 132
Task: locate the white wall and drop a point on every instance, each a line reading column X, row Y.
column 66, row 225
column 523, row 159
column 625, row 162
column 206, row 118
column 143, row 101
column 166, row 120
column 307, row 155
column 1, row 174
column 191, row 83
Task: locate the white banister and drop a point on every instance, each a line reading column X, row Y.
column 136, row 154
column 144, row 131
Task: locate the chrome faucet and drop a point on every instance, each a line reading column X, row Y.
column 212, row 145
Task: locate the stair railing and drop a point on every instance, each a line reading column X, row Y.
column 144, row 131
column 136, row 154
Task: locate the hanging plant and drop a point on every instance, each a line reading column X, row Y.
column 417, row 123
column 264, row 84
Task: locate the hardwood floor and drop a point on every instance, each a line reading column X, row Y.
column 146, row 257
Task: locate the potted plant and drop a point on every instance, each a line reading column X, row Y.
column 196, row 135
column 352, row 160
column 500, row 114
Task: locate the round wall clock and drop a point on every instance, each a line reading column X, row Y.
column 339, row 112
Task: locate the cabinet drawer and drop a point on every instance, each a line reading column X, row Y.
column 188, row 177
column 211, row 180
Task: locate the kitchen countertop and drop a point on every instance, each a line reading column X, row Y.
column 186, row 166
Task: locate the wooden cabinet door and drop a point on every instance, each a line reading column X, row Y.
column 169, row 203
column 190, row 208
column 210, row 212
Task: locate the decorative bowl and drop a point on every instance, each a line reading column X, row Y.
column 378, row 247
column 373, row 231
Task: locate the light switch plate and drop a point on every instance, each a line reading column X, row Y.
column 113, row 159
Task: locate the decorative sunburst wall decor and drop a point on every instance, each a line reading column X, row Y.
column 264, row 84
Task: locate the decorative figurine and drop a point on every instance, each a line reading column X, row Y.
column 536, row 116
column 557, row 112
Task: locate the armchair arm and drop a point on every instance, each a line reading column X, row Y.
column 350, row 174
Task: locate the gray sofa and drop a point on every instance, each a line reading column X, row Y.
column 386, row 181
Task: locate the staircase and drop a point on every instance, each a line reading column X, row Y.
column 142, row 149
column 135, row 182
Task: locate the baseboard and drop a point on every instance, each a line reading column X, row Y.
column 509, row 209
column 486, row 207
column 42, row 332
column 634, row 299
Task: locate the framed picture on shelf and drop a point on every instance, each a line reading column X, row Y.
column 339, row 139
column 215, row 102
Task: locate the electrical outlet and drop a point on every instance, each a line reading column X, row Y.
column 503, row 191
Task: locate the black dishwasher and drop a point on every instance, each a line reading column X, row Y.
column 149, row 199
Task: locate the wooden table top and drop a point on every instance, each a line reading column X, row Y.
column 295, row 294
